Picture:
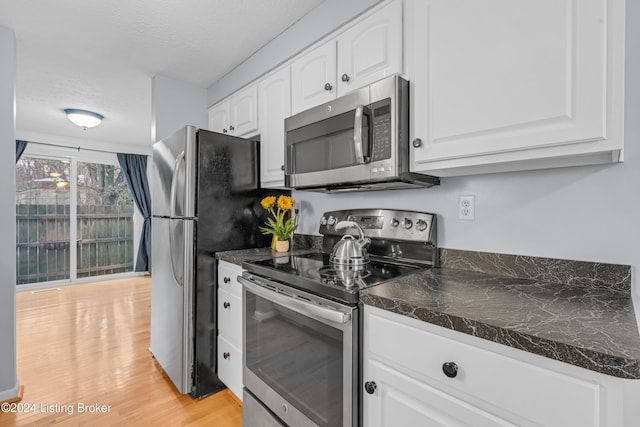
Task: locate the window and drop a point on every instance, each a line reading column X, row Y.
column 42, row 220
column 105, row 221
column 74, row 219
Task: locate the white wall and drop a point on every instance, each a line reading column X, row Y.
column 8, row 376
column 175, row 104
column 581, row 213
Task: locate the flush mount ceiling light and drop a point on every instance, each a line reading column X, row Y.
column 83, row 118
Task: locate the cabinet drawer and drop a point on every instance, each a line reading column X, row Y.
column 228, row 278
column 496, row 381
column 230, row 366
column 230, row 317
column 401, row 400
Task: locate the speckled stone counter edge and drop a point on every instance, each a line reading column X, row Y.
column 607, row 364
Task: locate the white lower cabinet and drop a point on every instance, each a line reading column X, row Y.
column 230, row 327
column 405, row 383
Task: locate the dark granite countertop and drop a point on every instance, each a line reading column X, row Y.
column 593, row 327
column 575, row 312
column 301, row 243
column 241, row 255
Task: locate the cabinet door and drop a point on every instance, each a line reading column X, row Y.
column 314, row 78
column 230, row 366
column 274, row 94
column 243, row 112
column 400, row 400
column 510, row 79
column 371, row 50
column 219, row 117
column 230, row 317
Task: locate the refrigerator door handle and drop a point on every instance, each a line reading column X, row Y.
column 174, row 184
column 172, row 212
column 178, row 280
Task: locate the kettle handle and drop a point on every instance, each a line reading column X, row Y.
column 364, row 241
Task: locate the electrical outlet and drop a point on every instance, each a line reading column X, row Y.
column 467, row 207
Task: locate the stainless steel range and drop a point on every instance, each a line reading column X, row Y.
column 301, row 323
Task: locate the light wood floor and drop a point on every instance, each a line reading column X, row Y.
column 88, row 344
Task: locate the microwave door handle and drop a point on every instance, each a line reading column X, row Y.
column 357, row 135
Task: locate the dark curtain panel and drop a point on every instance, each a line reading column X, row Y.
column 134, row 167
column 20, row 146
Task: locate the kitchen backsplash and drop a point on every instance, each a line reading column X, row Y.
column 301, row 241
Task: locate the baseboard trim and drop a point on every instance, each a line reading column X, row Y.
column 17, row 395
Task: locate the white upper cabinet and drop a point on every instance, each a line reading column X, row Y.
column 219, row 117
column 243, row 112
column 274, row 94
column 500, row 85
column 314, row 78
column 371, row 49
column 238, row 115
column 366, row 52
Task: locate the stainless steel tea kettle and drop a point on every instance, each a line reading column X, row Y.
column 350, row 251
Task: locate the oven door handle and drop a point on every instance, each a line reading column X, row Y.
column 299, row 306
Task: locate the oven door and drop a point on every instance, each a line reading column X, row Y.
column 299, row 354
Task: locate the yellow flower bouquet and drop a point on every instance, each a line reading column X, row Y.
column 278, row 226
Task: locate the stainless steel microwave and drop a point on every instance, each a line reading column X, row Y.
column 359, row 141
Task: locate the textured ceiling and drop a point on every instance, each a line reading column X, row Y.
column 101, row 56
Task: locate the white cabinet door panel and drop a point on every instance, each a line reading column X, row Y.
column 371, row 50
column 219, row 117
column 243, row 112
column 274, row 94
column 500, row 76
column 314, row 78
column 230, row 366
column 400, row 400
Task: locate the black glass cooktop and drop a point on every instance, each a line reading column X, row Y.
column 314, row 273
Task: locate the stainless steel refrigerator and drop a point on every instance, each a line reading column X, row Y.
column 205, row 199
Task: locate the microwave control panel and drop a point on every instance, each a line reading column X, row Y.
column 381, row 122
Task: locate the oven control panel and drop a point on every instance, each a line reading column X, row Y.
column 383, row 224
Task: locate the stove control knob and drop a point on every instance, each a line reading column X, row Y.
column 394, row 223
column 421, row 225
column 407, row 223
column 331, row 221
column 323, row 221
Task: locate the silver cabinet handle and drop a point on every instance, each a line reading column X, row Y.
column 417, row 143
column 299, row 306
column 328, row 87
column 224, row 130
column 345, row 78
column 231, row 128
